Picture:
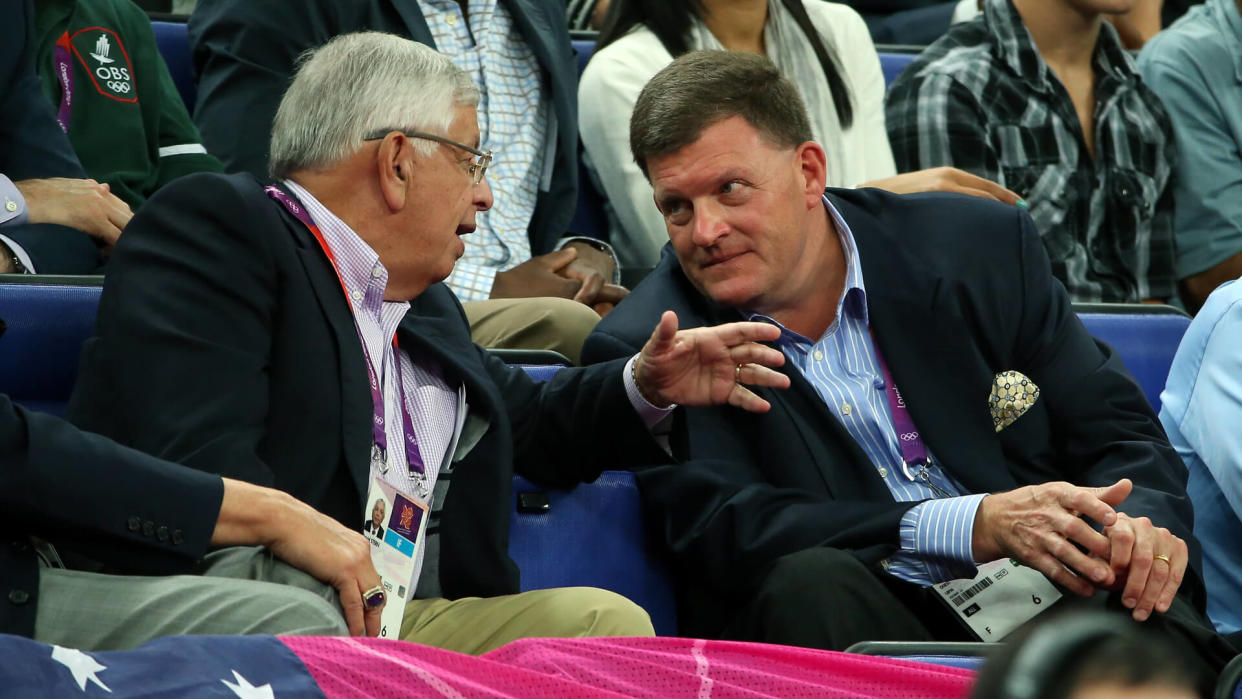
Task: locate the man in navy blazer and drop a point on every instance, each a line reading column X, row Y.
column 519, row 54
column 46, row 203
column 999, row 429
column 298, row 336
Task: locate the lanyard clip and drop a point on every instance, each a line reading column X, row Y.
column 905, row 468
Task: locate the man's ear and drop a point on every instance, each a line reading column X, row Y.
column 394, row 167
column 813, row 166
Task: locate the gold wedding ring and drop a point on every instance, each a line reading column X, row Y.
column 737, row 374
column 1162, row 557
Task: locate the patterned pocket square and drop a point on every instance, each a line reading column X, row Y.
column 1012, row 395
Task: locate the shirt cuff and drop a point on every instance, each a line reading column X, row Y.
column 650, row 414
column 599, row 244
column 940, row 533
column 472, row 282
column 13, row 210
column 20, row 252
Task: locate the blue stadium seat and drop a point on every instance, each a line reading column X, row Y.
column 1145, row 336
column 47, row 324
column 591, row 535
column 968, row 656
column 891, row 64
column 174, row 45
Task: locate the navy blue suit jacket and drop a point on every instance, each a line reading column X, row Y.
column 958, row 290
column 33, row 146
column 244, row 51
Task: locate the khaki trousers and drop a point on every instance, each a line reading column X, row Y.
column 550, row 323
column 475, row 625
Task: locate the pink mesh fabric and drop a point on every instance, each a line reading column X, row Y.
column 615, row 667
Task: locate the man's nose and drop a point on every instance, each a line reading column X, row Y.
column 709, row 224
column 483, row 195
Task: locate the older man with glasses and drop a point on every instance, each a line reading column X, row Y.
column 298, row 335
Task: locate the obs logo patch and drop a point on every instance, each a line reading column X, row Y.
column 107, row 62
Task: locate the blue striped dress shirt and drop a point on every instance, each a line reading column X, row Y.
column 936, row 533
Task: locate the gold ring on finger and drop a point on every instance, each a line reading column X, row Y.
column 737, row 374
column 1162, row 557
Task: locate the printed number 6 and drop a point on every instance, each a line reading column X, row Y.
column 384, row 631
column 1036, row 599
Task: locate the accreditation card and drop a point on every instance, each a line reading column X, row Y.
column 396, row 527
column 1004, row 595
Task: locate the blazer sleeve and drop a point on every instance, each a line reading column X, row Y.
column 244, row 54
column 32, row 144
column 103, row 499
column 192, row 279
column 571, row 428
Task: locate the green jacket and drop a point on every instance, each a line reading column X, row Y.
column 127, row 122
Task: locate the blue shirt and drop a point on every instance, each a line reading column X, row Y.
column 1195, row 66
column 1201, row 411
column 841, row 365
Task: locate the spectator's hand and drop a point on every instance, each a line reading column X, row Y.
column 86, row 205
column 305, row 539
column 707, row 366
column 539, row 276
column 1039, row 526
column 594, row 268
column 944, row 179
column 1150, row 582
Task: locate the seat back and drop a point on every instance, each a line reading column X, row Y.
column 47, row 324
column 892, row 63
column 591, row 535
column 1145, row 336
column 173, row 41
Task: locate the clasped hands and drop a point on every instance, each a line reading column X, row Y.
column 1042, row 526
column 708, row 366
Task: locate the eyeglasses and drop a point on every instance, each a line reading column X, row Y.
column 478, row 164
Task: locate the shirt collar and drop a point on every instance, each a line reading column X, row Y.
column 1017, row 49
column 359, row 267
column 853, row 299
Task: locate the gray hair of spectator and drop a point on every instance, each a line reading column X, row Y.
column 357, row 84
column 703, row 88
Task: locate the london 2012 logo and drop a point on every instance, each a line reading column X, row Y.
column 105, row 59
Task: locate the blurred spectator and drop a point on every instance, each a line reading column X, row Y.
column 48, row 211
column 126, row 122
column 520, row 58
column 1201, row 410
column 1076, row 655
column 1195, row 66
column 822, row 47
column 909, row 22
column 1041, row 96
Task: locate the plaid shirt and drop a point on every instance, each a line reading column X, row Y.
column 982, row 99
column 515, row 122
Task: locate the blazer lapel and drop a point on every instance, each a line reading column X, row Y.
column 928, row 349
column 356, row 408
column 801, row 406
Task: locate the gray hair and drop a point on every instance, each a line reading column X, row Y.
column 703, row 88
column 357, row 84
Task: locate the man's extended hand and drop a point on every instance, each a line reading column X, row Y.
column 1150, row 582
column 86, row 205
column 707, row 366
column 944, row 179
column 305, row 539
column 1039, row 526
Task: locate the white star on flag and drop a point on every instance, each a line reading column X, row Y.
column 83, row 666
column 245, row 690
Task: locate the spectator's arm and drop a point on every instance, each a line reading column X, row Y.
column 180, row 148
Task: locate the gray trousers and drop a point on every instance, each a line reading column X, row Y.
column 238, row 590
